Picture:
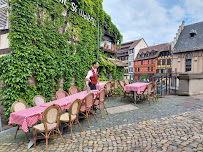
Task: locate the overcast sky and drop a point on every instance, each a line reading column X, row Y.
column 156, row 21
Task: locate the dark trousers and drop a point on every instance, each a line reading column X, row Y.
column 92, row 86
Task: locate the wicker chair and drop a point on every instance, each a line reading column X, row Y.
column 61, row 94
column 50, row 125
column 38, row 100
column 147, row 93
column 72, row 115
column 126, row 81
column 129, row 94
column 87, row 107
column 100, row 101
column 17, row 106
column 154, row 91
column 143, row 95
column 108, row 89
column 73, row 90
column 115, row 87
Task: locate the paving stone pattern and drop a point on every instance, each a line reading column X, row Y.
column 162, row 126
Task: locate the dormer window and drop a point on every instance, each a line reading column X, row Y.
column 138, row 56
column 147, row 54
column 143, row 55
column 193, row 33
column 152, row 52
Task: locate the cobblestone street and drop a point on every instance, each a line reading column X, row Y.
column 174, row 123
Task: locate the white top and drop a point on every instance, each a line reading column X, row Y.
column 90, row 74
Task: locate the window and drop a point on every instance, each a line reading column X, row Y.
column 188, row 60
column 130, row 70
column 164, row 70
column 159, row 70
column 130, row 63
column 168, row 61
column 141, row 62
column 152, row 52
column 193, row 33
column 143, row 55
column 138, row 56
column 135, row 69
column 164, row 62
column 152, row 69
column 152, row 61
column 147, row 54
column 159, row 62
column 138, row 69
column 148, row 69
column 131, row 57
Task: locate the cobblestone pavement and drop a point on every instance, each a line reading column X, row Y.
column 172, row 124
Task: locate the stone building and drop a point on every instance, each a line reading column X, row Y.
column 128, row 53
column 187, row 63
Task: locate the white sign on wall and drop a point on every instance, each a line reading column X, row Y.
column 82, row 13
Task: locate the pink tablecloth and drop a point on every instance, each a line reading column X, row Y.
column 28, row 117
column 138, row 86
column 100, row 85
column 65, row 102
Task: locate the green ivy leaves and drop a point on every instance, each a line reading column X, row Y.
column 41, row 49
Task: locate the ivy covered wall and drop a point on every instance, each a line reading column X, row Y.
column 51, row 41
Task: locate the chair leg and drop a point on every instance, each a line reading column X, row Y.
column 105, row 108
column 16, row 131
column 46, row 138
column 53, row 134
column 148, row 100
column 94, row 115
column 70, row 125
column 34, row 132
column 100, row 111
column 61, row 136
column 80, row 126
column 26, row 137
column 87, row 119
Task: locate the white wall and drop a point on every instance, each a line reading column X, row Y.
column 142, row 44
column 4, row 42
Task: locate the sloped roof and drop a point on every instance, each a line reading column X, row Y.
column 187, row 43
column 157, row 50
column 128, row 45
column 115, row 62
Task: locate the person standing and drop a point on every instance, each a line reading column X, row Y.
column 92, row 76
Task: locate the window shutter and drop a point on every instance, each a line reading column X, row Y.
column 4, row 24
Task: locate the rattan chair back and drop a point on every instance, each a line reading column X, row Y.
column 102, row 95
column 38, row 100
column 122, row 84
column 18, row 105
column 74, row 108
column 73, row 90
column 89, row 100
column 126, row 81
column 116, row 84
column 149, row 87
column 61, row 94
column 51, row 115
column 108, row 86
column 145, row 90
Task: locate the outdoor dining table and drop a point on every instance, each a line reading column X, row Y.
column 28, row 117
column 136, row 87
column 100, row 85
